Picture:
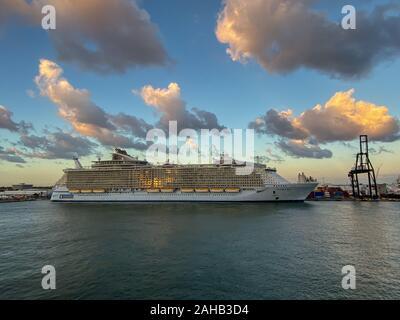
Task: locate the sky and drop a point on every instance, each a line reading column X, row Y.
column 112, row 70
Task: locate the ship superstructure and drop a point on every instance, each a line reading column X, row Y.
column 126, row 178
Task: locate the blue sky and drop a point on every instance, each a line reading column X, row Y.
column 208, row 78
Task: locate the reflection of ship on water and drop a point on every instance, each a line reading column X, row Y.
column 125, row 178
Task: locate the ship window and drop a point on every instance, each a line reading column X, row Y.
column 66, row 196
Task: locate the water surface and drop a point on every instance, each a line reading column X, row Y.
column 200, row 251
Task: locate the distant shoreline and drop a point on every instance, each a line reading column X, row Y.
column 16, row 200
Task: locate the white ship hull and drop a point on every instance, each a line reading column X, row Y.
column 273, row 193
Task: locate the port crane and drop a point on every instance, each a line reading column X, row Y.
column 363, row 165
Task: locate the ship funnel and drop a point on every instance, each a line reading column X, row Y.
column 77, row 163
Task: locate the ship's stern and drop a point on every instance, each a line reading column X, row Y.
column 61, row 193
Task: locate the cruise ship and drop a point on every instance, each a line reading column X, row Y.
column 127, row 179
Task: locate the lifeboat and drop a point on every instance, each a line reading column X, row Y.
column 75, row 191
column 232, row 190
column 187, row 190
column 153, row 190
column 216, row 190
column 167, row 190
column 201, row 190
column 86, row 191
column 99, row 190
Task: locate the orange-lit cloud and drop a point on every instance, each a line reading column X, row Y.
column 169, row 103
column 88, row 119
column 344, row 118
column 280, row 123
column 341, row 118
column 75, row 106
column 284, row 35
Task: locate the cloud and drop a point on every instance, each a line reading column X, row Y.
column 137, row 127
column 273, row 157
column 342, row 118
column 279, row 123
column 102, row 36
column 302, row 149
column 31, row 93
column 122, row 130
column 284, row 35
column 74, row 104
column 380, row 150
column 88, row 119
column 10, row 8
column 33, row 141
column 10, row 155
column 270, row 157
column 57, row 145
column 6, row 122
column 169, row 103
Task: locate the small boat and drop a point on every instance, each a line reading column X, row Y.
column 187, row 190
column 75, row 191
column 201, row 190
column 167, row 190
column 153, row 190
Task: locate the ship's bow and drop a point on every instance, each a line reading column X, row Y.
column 300, row 191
